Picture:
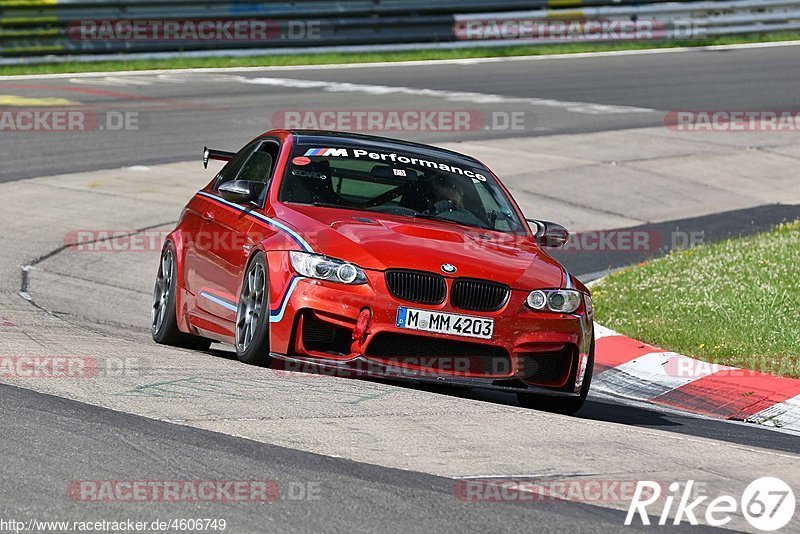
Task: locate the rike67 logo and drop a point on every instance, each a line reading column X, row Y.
column 767, row 503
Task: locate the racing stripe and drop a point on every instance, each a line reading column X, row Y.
column 276, row 315
column 297, row 238
column 218, row 300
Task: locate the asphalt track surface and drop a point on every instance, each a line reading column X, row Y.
column 183, row 112
column 358, row 497
column 179, row 113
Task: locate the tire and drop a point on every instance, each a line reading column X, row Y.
column 252, row 314
column 164, row 324
column 562, row 405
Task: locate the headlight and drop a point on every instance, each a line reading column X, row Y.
column 556, row 300
column 325, row 268
column 537, row 299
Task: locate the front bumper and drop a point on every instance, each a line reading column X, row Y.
column 360, row 367
column 534, row 351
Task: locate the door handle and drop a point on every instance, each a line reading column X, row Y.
column 208, row 216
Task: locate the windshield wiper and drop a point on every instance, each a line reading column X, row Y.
column 331, row 205
column 326, row 205
column 430, row 217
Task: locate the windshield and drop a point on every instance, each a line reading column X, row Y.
column 398, row 184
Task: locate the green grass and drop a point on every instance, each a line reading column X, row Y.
column 327, row 58
column 735, row 302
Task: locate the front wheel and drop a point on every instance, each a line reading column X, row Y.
column 562, row 405
column 164, row 323
column 252, row 314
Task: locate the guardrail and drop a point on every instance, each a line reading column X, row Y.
column 41, row 28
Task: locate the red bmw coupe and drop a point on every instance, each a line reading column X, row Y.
column 369, row 256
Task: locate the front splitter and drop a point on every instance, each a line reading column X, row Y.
column 364, row 368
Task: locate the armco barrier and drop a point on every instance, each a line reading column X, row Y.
column 37, row 28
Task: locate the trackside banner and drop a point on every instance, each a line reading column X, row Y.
column 193, row 30
column 173, row 30
column 357, row 153
column 560, row 30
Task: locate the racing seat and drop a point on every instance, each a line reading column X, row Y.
column 310, row 183
column 416, row 198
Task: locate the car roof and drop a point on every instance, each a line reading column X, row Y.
column 374, row 142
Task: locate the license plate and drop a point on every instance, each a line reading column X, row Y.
column 445, row 323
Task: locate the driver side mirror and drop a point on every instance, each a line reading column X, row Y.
column 549, row 234
column 240, row 191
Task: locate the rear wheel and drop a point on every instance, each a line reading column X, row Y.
column 562, row 405
column 164, row 324
column 252, row 314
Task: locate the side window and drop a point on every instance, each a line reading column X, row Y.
column 490, row 205
column 253, row 163
column 232, row 168
column 259, row 166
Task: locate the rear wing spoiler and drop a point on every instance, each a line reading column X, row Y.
column 210, row 153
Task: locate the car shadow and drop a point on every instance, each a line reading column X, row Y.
column 640, row 415
column 594, row 409
column 600, row 408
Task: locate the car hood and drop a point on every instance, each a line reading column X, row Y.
column 379, row 242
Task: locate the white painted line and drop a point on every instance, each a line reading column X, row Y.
column 433, row 62
column 451, row 96
column 543, row 476
column 752, row 45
